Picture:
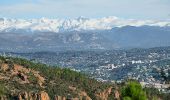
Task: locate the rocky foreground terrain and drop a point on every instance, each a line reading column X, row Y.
column 24, row 80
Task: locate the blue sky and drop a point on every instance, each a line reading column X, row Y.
column 136, row 9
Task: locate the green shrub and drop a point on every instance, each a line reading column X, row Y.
column 133, row 91
column 3, row 89
column 127, row 98
column 32, row 78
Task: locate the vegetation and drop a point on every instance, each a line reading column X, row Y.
column 133, row 91
column 154, row 94
column 58, row 82
column 3, row 89
column 165, row 76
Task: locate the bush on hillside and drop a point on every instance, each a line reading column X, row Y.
column 133, row 91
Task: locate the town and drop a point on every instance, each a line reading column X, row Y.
column 151, row 67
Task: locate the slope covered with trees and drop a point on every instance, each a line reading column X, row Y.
column 21, row 79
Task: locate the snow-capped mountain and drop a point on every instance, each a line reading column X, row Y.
column 81, row 34
column 115, row 38
column 77, row 24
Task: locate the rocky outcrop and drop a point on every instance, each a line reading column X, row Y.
column 40, row 79
column 21, row 72
column 43, row 96
column 23, row 96
column 83, row 96
column 60, row 98
column 105, row 94
column 23, row 77
column 3, row 98
column 4, row 67
column 117, row 95
column 64, row 98
column 19, row 68
column 33, row 96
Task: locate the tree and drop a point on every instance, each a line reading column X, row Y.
column 3, row 90
column 133, row 91
column 163, row 75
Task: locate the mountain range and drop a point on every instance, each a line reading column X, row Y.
column 77, row 24
column 82, row 34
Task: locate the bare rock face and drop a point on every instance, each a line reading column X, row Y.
column 40, row 79
column 33, row 96
column 83, row 96
column 21, row 72
column 43, row 96
column 19, row 68
column 60, row 98
column 23, row 77
column 23, row 96
column 3, row 98
column 1, row 77
column 4, row 67
column 117, row 95
column 104, row 95
column 76, row 98
column 72, row 88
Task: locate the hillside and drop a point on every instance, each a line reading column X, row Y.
column 21, row 79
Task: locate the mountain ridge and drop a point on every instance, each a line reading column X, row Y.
column 115, row 38
column 76, row 24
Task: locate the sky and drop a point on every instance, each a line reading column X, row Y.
column 128, row 9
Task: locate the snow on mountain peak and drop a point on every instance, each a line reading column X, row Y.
column 78, row 24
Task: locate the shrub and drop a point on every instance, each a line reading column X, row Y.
column 133, row 91
column 127, row 98
column 3, row 89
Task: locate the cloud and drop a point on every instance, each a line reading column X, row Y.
column 90, row 8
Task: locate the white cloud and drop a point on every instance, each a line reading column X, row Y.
column 91, row 8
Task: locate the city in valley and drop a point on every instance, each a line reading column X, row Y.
column 149, row 66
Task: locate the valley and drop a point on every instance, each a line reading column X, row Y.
column 145, row 65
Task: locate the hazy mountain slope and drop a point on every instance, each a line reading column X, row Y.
column 144, row 36
column 118, row 37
